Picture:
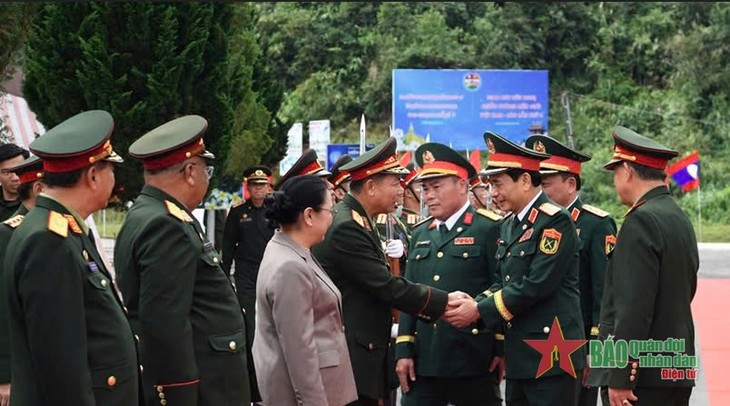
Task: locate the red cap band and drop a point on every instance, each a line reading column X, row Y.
column 562, row 164
column 174, row 157
column 311, row 169
column 68, row 164
column 639, row 158
column 341, row 177
column 30, row 176
column 444, row 168
column 390, row 162
column 499, row 159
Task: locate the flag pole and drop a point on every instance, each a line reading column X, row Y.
column 362, row 134
column 699, row 210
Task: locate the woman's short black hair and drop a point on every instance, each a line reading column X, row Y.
column 294, row 195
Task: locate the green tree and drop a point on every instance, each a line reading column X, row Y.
column 146, row 64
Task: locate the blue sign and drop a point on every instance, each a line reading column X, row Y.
column 335, row 151
column 456, row 106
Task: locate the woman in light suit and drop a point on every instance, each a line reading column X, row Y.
column 299, row 347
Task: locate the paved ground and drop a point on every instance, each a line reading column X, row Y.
column 712, row 327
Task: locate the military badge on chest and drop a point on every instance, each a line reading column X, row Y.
column 610, row 243
column 245, row 218
column 526, row 235
column 550, row 241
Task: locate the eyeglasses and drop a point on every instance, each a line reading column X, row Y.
column 332, row 211
column 208, row 169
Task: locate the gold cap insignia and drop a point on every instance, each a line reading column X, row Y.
column 428, row 157
column 259, row 172
column 539, row 146
column 490, row 146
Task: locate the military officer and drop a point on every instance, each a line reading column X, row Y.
column 478, row 193
column 307, row 164
column 410, row 213
column 181, row 302
column 245, row 235
column 596, row 229
column 455, row 249
column 10, row 156
column 70, row 337
column 30, row 176
column 652, row 273
column 340, row 179
column 537, row 259
column 353, row 256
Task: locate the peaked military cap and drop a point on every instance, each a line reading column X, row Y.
column 307, row 164
column 30, row 170
column 172, row 143
column 379, row 160
column 476, row 181
column 632, row 147
column 412, row 175
column 437, row 160
column 338, row 176
column 562, row 159
column 258, row 174
column 505, row 155
column 76, row 143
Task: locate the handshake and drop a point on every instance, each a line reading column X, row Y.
column 461, row 310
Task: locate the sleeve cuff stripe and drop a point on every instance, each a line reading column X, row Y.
column 501, row 308
column 405, row 339
column 499, row 337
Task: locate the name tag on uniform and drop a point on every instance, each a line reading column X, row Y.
column 423, row 243
column 93, row 267
column 464, row 241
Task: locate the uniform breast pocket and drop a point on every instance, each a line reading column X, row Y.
column 98, row 280
column 419, row 254
column 112, row 378
column 211, row 259
column 523, row 251
column 231, row 343
column 465, row 252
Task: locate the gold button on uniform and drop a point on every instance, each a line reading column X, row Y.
column 163, row 402
column 436, row 277
column 475, row 331
column 215, row 260
column 103, row 282
column 546, row 329
column 440, row 254
column 458, row 230
column 161, row 395
column 136, row 337
column 632, row 378
column 232, row 345
column 111, row 381
column 506, row 278
column 418, row 256
column 465, row 255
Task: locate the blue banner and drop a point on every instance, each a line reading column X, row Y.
column 456, row 106
column 335, row 151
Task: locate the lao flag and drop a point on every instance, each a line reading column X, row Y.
column 686, row 172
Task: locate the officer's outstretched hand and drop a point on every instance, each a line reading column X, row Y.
column 405, row 369
column 394, row 248
column 461, row 312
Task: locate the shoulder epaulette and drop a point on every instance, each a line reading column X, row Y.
column 358, row 218
column 595, row 210
column 58, row 224
column 427, row 219
column 489, row 214
column 411, row 219
column 549, row 208
column 73, row 224
column 238, row 203
column 381, row 219
column 176, row 211
column 14, row 221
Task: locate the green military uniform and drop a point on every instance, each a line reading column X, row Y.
column 245, row 236
column 597, row 232
column 461, row 258
column 181, row 302
column 6, row 231
column 28, row 171
column 70, row 337
column 352, row 255
column 537, row 261
column 651, row 278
